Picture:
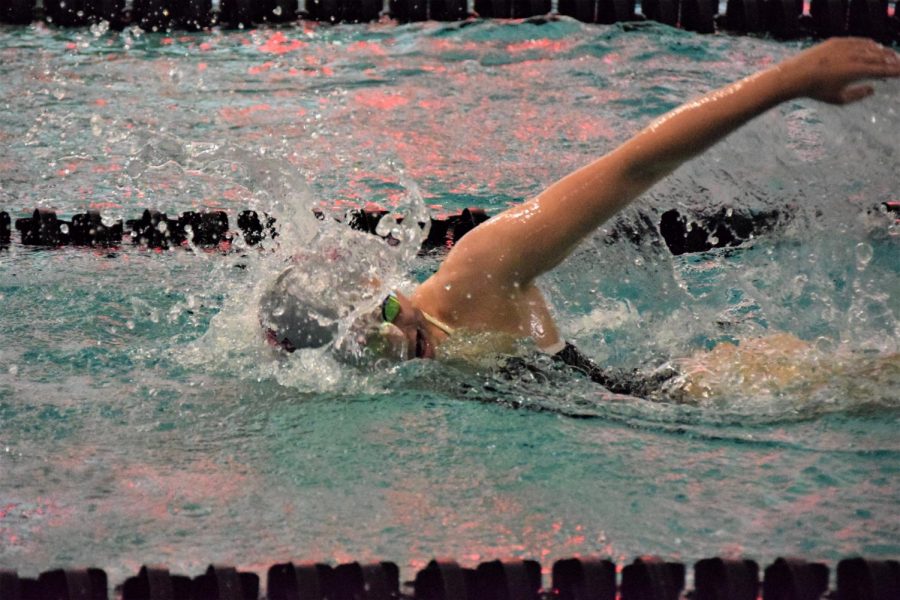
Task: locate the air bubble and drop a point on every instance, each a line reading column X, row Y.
column 64, row 229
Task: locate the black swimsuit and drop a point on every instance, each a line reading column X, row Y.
column 632, row 383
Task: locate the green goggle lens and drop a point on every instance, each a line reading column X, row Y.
column 390, row 308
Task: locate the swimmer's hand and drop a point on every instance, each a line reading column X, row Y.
column 501, row 258
column 829, row 72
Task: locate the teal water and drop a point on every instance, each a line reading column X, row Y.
column 143, row 419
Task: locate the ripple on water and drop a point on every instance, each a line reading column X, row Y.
column 142, row 418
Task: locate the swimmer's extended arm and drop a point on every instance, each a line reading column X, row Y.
column 527, row 240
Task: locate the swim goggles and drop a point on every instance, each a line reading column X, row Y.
column 390, row 308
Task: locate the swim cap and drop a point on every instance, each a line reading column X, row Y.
column 293, row 317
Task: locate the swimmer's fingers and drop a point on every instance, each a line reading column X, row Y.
column 881, row 62
column 875, row 54
column 828, row 72
column 854, row 93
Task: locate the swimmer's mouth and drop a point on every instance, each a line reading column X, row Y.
column 423, row 348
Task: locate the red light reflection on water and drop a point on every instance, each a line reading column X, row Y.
column 278, row 43
column 372, row 48
column 241, row 116
column 540, row 44
column 381, row 100
column 257, row 69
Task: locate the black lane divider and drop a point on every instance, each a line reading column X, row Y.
column 582, row 578
column 780, row 18
column 680, row 232
column 155, row 229
column 4, row 228
column 511, row 9
column 409, row 11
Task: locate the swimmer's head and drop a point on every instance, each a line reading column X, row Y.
column 294, row 318
column 407, row 324
column 301, row 309
column 394, row 331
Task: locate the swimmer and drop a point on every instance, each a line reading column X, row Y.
column 487, row 281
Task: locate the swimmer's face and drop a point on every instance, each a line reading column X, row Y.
column 411, row 330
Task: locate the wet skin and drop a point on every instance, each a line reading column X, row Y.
column 487, row 281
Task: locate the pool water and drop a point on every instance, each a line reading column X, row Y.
column 143, row 419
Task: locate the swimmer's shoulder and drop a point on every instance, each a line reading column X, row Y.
column 436, row 297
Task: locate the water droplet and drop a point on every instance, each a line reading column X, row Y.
column 447, row 287
column 96, row 125
column 13, row 370
column 863, row 255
